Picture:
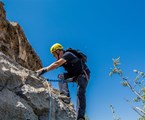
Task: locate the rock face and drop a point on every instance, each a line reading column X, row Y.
column 24, row 96
column 14, row 44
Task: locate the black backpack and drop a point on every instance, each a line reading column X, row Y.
column 78, row 53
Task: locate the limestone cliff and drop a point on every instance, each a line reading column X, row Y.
column 24, row 96
column 14, row 44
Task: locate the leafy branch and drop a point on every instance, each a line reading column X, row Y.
column 113, row 112
column 138, row 88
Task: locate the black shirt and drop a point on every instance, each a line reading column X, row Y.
column 73, row 64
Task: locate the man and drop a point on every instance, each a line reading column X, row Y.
column 76, row 69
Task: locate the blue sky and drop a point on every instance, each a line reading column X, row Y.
column 102, row 29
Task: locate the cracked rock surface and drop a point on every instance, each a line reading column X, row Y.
column 24, row 96
column 14, row 43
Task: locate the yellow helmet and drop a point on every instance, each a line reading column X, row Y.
column 56, row 47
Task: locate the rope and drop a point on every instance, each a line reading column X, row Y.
column 63, row 81
column 50, row 103
column 49, row 90
column 52, row 80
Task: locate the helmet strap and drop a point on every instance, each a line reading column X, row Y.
column 57, row 53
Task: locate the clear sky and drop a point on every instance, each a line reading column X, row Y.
column 103, row 29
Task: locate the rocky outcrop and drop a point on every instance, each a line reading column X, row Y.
column 14, row 44
column 24, row 96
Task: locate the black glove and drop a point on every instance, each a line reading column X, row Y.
column 41, row 72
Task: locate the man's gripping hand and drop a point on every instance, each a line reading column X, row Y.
column 41, row 71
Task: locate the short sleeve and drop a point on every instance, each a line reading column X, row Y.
column 68, row 56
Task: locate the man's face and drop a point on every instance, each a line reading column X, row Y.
column 56, row 54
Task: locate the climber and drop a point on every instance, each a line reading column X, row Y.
column 76, row 69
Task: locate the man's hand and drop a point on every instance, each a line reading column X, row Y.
column 41, row 71
column 61, row 76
